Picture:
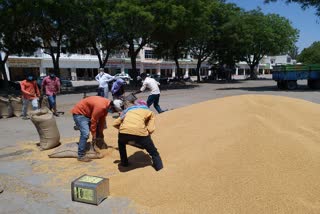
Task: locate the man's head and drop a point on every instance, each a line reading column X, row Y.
column 101, row 70
column 116, row 105
column 143, row 76
column 140, row 102
column 52, row 74
column 29, row 77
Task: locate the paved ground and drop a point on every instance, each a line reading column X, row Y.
column 19, row 175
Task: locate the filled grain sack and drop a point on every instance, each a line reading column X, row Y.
column 5, row 108
column 70, row 150
column 46, row 125
column 16, row 103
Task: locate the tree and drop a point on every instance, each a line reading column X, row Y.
column 293, row 52
column 96, row 29
column 209, row 38
column 135, row 22
column 174, row 26
column 201, row 44
column 53, row 23
column 15, row 31
column 310, row 55
column 260, row 35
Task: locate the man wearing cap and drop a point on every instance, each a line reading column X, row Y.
column 136, row 123
column 104, row 79
column 90, row 116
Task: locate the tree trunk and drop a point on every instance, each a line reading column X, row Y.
column 55, row 62
column 3, row 71
column 105, row 61
column 178, row 67
column 253, row 74
column 133, row 56
column 198, row 69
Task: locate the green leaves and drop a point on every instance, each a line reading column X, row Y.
column 310, row 55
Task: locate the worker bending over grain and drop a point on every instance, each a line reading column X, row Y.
column 136, row 123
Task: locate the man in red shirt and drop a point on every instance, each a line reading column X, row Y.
column 90, row 116
column 51, row 87
column 30, row 93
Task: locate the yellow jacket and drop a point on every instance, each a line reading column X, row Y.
column 137, row 121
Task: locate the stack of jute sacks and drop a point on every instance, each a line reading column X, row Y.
column 12, row 106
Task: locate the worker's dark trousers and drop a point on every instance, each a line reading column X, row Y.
column 146, row 142
column 154, row 99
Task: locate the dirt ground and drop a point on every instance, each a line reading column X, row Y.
column 25, row 192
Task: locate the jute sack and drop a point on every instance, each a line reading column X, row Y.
column 16, row 103
column 70, row 150
column 5, row 108
column 47, row 128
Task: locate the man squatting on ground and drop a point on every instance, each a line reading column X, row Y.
column 136, row 123
column 104, row 79
column 153, row 86
column 30, row 93
column 51, row 87
column 90, row 116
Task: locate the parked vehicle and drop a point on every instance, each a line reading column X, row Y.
column 287, row 76
column 123, row 76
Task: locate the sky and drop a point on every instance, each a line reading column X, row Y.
column 304, row 20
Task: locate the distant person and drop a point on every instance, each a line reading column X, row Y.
column 104, row 79
column 136, row 123
column 51, row 87
column 30, row 93
column 117, row 89
column 89, row 115
column 153, row 86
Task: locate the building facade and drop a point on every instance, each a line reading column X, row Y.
column 85, row 66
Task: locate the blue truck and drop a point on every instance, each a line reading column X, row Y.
column 287, row 76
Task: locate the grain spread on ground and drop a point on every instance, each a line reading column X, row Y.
column 240, row 154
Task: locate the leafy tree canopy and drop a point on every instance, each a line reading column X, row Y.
column 310, row 55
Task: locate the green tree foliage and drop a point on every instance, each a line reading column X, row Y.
column 96, row 29
column 227, row 39
column 175, row 22
column 135, row 22
column 260, row 35
column 53, row 21
column 15, row 31
column 310, row 55
column 201, row 44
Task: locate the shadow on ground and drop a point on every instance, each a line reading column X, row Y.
column 137, row 160
column 265, row 88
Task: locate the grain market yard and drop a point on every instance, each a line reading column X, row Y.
column 33, row 183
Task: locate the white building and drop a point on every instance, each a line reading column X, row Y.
column 266, row 64
column 85, row 66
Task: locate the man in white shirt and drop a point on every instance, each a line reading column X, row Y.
column 153, row 86
column 103, row 78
